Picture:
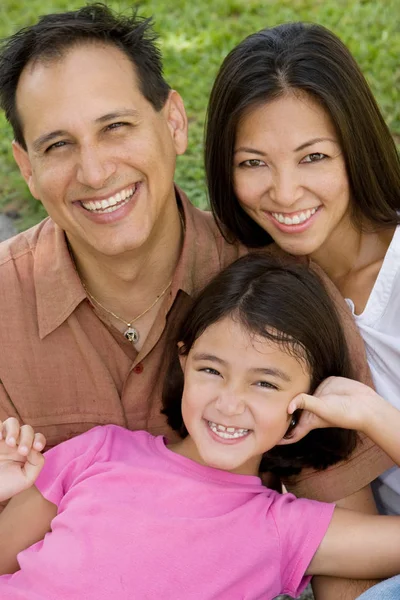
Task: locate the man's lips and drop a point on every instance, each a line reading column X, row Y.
column 111, row 203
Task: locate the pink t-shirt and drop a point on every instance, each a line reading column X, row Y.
column 136, row 520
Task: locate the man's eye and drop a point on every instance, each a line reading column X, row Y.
column 314, row 157
column 59, row 144
column 116, row 125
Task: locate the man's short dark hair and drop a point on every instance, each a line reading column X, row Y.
column 54, row 34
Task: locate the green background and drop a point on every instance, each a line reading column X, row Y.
column 194, row 38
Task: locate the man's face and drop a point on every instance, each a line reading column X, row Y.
column 99, row 157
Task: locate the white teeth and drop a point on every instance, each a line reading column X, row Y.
column 110, row 204
column 227, row 433
column 295, row 219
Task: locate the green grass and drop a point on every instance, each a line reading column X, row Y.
column 194, row 38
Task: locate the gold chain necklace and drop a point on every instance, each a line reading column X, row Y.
column 131, row 333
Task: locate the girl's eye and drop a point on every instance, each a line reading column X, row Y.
column 253, row 163
column 210, row 371
column 266, row 384
column 314, row 157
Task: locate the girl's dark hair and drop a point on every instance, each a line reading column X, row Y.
column 311, row 59
column 55, row 34
column 285, row 303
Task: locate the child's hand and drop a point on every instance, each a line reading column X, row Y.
column 337, row 402
column 20, row 457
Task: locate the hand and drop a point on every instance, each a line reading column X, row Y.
column 337, row 402
column 20, row 457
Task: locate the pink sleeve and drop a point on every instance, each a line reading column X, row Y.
column 302, row 525
column 67, row 461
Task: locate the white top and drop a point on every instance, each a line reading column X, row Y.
column 379, row 326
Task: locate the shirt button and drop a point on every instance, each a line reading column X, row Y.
column 138, row 369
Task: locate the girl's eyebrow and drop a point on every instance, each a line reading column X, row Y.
column 259, row 370
column 210, row 357
column 272, row 371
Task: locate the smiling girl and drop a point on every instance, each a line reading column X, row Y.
column 122, row 513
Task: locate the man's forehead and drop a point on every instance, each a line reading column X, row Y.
column 81, row 51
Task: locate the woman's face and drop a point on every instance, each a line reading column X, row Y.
column 289, row 174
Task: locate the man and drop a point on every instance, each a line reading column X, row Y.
column 89, row 296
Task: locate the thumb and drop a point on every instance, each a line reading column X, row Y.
column 33, row 465
column 314, row 411
column 305, row 402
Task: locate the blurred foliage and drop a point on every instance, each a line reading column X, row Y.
column 195, row 37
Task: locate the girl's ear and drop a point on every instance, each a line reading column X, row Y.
column 294, row 432
column 182, row 357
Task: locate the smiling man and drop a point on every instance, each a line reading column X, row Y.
column 89, row 296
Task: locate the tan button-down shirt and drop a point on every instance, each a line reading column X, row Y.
column 63, row 370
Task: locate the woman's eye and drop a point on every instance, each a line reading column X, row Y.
column 314, row 157
column 252, row 163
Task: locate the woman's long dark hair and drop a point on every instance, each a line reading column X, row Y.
column 287, row 304
column 308, row 58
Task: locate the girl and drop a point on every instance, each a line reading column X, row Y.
column 122, row 513
column 298, row 153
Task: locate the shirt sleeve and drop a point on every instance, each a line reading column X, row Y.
column 302, row 525
column 67, row 461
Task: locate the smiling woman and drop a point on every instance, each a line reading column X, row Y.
column 298, row 153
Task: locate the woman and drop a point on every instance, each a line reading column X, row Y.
column 297, row 152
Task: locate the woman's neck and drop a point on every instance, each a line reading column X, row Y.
column 353, row 261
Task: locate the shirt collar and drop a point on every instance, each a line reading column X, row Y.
column 57, row 284
column 59, row 289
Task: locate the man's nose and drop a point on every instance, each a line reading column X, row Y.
column 94, row 167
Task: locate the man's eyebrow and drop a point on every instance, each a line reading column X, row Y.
column 44, row 139
column 315, row 141
column 118, row 114
column 272, row 371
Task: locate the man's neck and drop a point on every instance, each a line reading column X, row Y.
column 135, row 278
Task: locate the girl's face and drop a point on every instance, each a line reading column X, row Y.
column 236, row 393
column 289, row 173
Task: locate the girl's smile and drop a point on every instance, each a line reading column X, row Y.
column 237, row 389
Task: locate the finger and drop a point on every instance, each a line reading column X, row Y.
column 39, row 442
column 26, row 437
column 11, row 431
column 306, row 402
column 33, row 466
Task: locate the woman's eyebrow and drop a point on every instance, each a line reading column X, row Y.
column 315, row 141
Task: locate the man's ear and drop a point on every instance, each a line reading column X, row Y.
column 182, row 357
column 177, row 121
column 23, row 161
column 295, row 431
